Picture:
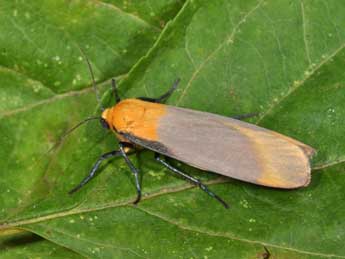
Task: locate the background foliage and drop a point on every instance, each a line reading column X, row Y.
column 283, row 59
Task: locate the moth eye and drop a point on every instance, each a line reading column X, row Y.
column 104, row 123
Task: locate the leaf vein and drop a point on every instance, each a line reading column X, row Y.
column 84, row 240
column 305, row 38
column 232, row 236
column 120, row 203
column 43, row 102
column 213, row 53
column 327, row 164
column 308, row 74
column 133, row 16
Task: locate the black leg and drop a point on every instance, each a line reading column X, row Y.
column 116, row 94
column 245, row 116
column 192, row 179
column 164, row 96
column 134, row 170
column 267, row 253
column 95, row 168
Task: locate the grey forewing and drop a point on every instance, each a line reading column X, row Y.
column 203, row 141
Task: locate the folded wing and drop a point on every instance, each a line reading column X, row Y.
column 234, row 148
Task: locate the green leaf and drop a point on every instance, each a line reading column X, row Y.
column 283, row 59
column 28, row 245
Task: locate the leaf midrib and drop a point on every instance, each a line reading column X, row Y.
column 128, row 203
column 232, row 236
column 78, row 209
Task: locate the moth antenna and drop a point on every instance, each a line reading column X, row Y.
column 69, row 131
column 93, row 79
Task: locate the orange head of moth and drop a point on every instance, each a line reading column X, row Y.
column 136, row 117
